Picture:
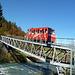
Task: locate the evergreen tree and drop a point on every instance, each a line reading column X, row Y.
column 1, row 15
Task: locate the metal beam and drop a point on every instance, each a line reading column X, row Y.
column 54, row 54
column 71, row 64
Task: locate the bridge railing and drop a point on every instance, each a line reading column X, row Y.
column 65, row 42
column 59, row 41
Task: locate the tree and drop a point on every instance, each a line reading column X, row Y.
column 19, row 29
column 1, row 10
column 9, row 25
column 1, row 13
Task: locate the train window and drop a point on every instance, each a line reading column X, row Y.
column 45, row 30
column 42, row 31
column 53, row 32
column 37, row 31
column 49, row 31
column 33, row 31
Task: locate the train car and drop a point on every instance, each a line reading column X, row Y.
column 44, row 33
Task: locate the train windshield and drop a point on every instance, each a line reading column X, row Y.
column 51, row 31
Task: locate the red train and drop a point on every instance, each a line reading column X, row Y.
column 44, row 33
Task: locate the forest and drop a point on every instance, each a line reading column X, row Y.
column 9, row 28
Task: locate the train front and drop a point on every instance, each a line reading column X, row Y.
column 51, row 35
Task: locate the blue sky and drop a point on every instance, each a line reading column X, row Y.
column 56, row 14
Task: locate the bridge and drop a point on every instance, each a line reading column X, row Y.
column 61, row 53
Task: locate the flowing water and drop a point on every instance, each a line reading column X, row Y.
column 26, row 69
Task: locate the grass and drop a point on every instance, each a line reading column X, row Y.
column 59, row 55
column 23, row 54
column 19, row 56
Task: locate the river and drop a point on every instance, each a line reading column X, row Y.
column 26, row 69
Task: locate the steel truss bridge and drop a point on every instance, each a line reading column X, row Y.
column 61, row 53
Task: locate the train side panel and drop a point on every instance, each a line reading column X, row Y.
column 42, row 34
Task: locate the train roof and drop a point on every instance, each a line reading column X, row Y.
column 40, row 28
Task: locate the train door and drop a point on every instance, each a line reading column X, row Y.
column 49, row 34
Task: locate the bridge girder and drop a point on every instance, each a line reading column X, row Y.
column 53, row 53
